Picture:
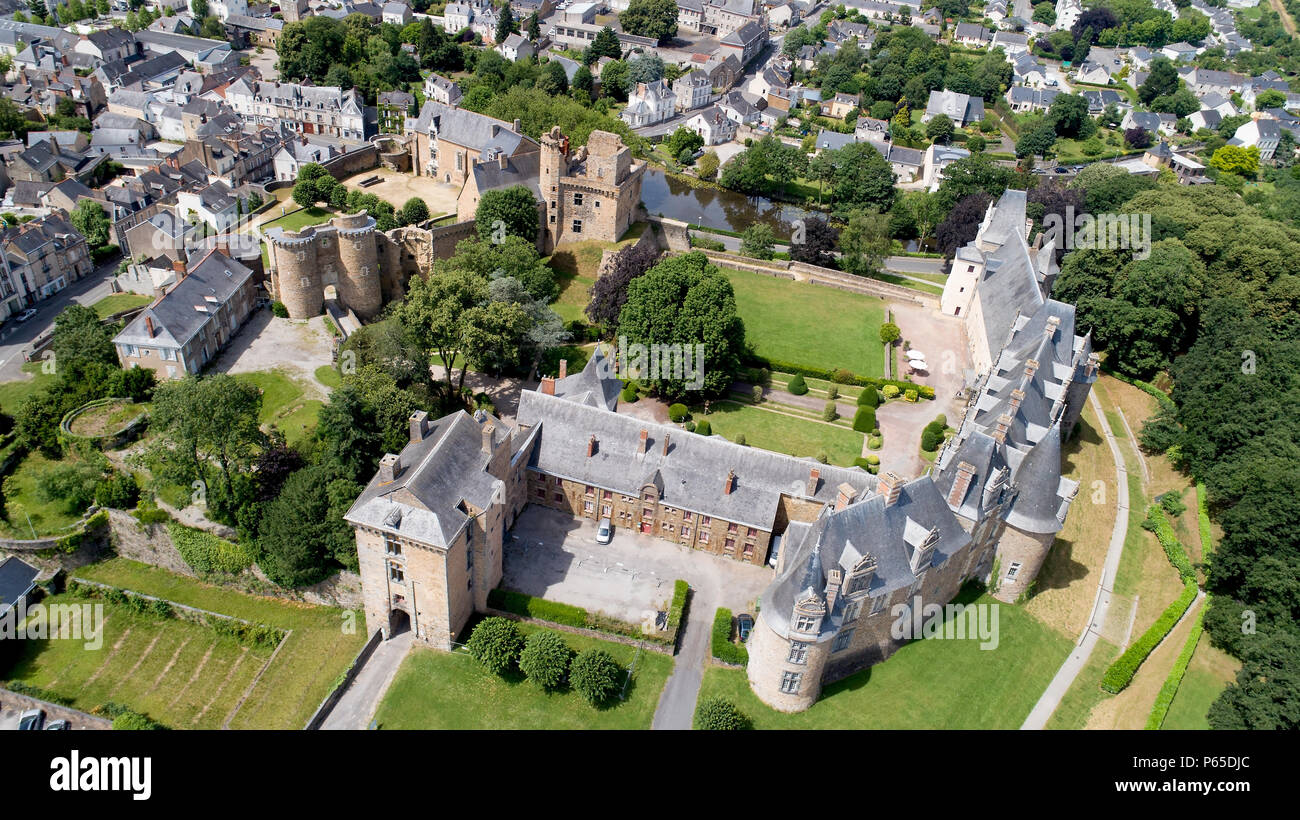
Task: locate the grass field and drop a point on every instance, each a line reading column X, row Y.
column 13, row 393
column 784, row 434
column 306, row 668
column 179, row 673
column 329, row 376
column 118, row 302
column 1210, row 671
column 575, row 263
column 296, row 220
column 928, row 684
column 440, row 690
column 24, row 510
column 1086, row 692
column 283, row 404
column 809, row 324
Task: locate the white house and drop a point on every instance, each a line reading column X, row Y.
column 648, row 104
column 1264, row 134
column 516, row 47
column 212, row 205
column 399, row 14
column 441, row 90
column 223, row 9
column 713, row 125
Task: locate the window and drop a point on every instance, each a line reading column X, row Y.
column 704, row 537
column 588, row 507
column 395, row 574
column 667, row 529
column 647, row 513
column 1013, row 570
column 851, row 611
column 686, row 533
column 558, row 481
column 596, row 202
column 731, row 528
column 878, row 603
column 577, row 226
column 706, row 521
column 842, row 640
column 649, row 496
column 805, row 623
column 790, row 682
column 858, row 582
column 687, row 515
column 606, row 495
column 590, row 490
column 605, row 510
column 798, row 652
column 541, row 493
column 558, row 496
column 577, row 198
column 729, row 546
column 391, row 545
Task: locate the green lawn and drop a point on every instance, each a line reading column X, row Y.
column 179, row 673
column 301, row 218
column 575, row 264
column 118, row 302
column 329, row 376
column 12, row 393
column 283, row 404
column 24, row 510
column 810, row 324
column 450, row 690
column 928, row 684
column 1085, row 693
column 320, row 649
column 784, row 434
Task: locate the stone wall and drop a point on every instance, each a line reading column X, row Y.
column 353, row 162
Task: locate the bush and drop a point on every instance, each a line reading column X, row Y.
column 1172, row 502
column 740, row 439
column 832, row 392
column 873, row 459
column 120, row 491
column 629, row 395
column 205, row 552
column 909, row 395
column 595, row 675
column 518, row 603
column 716, row 714
column 677, row 609
column 1121, row 672
column 890, row 333
column 842, row 376
column 891, row 391
column 874, row 441
column 278, row 309
column 706, row 243
column 864, row 420
column 723, row 649
column 829, row 412
column 1157, row 523
column 869, row 397
column 797, row 386
column 703, row 428
column 757, row 393
column 545, row 659
column 496, row 643
column 690, row 427
column 930, row 440
column 678, row 413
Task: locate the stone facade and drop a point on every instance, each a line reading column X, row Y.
column 342, row 254
column 590, row 194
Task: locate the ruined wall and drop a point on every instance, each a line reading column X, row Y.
column 353, row 162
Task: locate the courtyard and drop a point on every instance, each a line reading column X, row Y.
column 550, row 554
column 396, row 188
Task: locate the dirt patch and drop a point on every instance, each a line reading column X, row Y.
column 294, row 346
column 108, row 418
column 396, row 188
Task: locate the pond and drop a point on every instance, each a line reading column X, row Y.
column 715, row 207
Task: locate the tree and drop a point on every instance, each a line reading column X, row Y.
column 506, row 24
column 707, row 165
column 90, row 219
column 923, row 210
column 534, row 28
column 963, row 221
column 414, row 211
column 545, row 659
column 212, row 29
column 1038, row 141
column 1068, row 115
column 758, row 241
column 1137, row 137
column 493, row 336
column 863, row 179
column 1235, row 159
column 613, row 81
column 865, row 243
column 939, row 129
column 1269, row 98
column 81, row 341
column 302, row 532
column 643, row 69
column 507, row 212
column 583, row 84
column 1161, row 80
column 496, row 643
column 651, row 18
column 595, row 675
column 819, row 240
column 717, row 714
column 682, row 140
column 890, row 333
column 199, row 8
column 433, row 312
column 609, row 293
column 606, row 44
column 1045, row 13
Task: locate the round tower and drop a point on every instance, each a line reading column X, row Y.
column 297, row 274
column 785, row 668
column 359, row 282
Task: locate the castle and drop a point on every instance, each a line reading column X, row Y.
column 430, row 526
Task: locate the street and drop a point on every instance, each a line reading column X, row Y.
column 16, row 337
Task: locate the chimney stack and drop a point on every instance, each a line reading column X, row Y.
column 834, row 579
column 591, row 446
column 731, row 480
column 390, row 467
column 1017, row 398
column 1004, row 424
column 961, row 483
column 641, row 447
column 148, row 325
column 548, row 385
column 488, row 432
column 891, row 485
column 564, row 368
column 223, row 245
column 419, row 425
column 845, row 496
column 178, row 265
column 1031, row 367
column 814, row 480
column 518, row 126
column 665, row 444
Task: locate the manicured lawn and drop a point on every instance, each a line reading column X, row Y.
column 928, row 684
column 784, row 434
column 283, row 405
column 1210, row 671
column 301, row 218
column 179, row 673
column 24, row 510
column 329, row 376
column 13, row 393
column 315, row 655
column 810, row 324
column 441, row 690
column 118, row 302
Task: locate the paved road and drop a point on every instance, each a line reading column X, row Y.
column 677, row 702
column 17, row 337
column 1069, row 670
column 357, row 706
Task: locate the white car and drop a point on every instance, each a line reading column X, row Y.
column 604, row 532
column 26, row 314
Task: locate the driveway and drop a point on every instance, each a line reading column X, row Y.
column 12, row 705
column 16, row 338
column 357, row 706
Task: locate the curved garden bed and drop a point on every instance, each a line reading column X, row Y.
column 106, row 423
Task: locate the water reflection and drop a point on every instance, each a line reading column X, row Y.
column 715, row 208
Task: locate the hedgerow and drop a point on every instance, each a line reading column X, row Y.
column 1158, row 523
column 1120, row 673
column 723, row 649
column 1165, row 698
column 205, row 552
column 925, row 391
column 1203, row 522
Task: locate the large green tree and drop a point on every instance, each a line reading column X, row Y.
column 650, row 18
column 507, row 212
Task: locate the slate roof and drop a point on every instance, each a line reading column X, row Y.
column 174, row 316
column 595, row 384
column 16, row 579
column 833, row 141
column 474, row 131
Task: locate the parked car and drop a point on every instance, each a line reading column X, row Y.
column 26, row 314
column 744, row 625
column 604, row 532
column 1061, row 169
column 31, row 720
column 58, row 726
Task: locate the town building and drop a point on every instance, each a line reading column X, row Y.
column 308, row 109
column 649, row 103
column 41, row 258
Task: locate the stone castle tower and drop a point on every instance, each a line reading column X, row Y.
column 590, row 193
column 342, row 254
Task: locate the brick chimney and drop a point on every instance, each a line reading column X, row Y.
column 891, row 486
column 814, row 481
column 419, row 425
column 548, row 385
column 730, row 482
column 961, row 483
column 1031, row 367
column 834, row 579
column 390, row 467
column 178, row 266
column 591, row 446
column 148, row 325
column 489, row 431
column 564, row 368
column 845, row 495
column 1017, row 399
column 1004, row 424
column 641, row 447
column 665, row 444
column 223, row 245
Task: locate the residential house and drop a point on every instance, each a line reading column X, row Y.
column 972, row 35
column 441, row 90
column 745, row 42
column 214, row 206
column 1023, row 100
column 1262, row 132
column 962, row 109
column 41, row 258
column 648, row 104
column 713, row 125
column 516, row 47
column 393, row 108
column 693, row 90
column 309, row 109
column 839, row 106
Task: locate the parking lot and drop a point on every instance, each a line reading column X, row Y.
column 12, row 705
column 554, row 556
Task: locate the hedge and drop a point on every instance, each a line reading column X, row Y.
column 925, row 391
column 864, row 420
column 677, row 609
column 1160, row 396
column 529, row 606
column 1158, row 522
column 723, row 649
column 205, row 552
column 704, row 428
column 1165, row 698
column 1203, row 522
column 1120, row 673
column 796, row 385
column 677, row 413
column 869, row 397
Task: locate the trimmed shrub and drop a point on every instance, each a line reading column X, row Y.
column 797, row 386
column 941, row 420
column 678, row 413
column 1165, row 698
column 1172, row 503
column 545, row 659
column 703, row 428
column 723, row 649
column 595, row 675
column 717, row 714
column 829, row 413
column 869, row 397
column 496, row 643
column 1158, row 524
column 842, row 376
column 740, row 439
column 757, row 393
column 518, row 603
column 628, row 396
column 832, row 392
column 1121, row 672
column 909, row 395
column 890, row 390
column 930, row 440
column 690, row 427
column 873, row 459
column 677, row 609
column 205, row 552
column 925, row 391
column 864, row 420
